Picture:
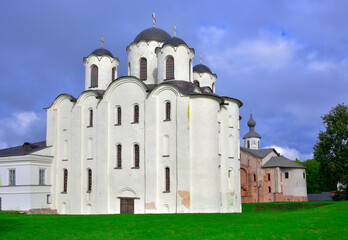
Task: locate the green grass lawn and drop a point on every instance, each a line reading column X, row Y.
column 258, row 221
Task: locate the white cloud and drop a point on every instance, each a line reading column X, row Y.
column 291, row 153
column 18, row 127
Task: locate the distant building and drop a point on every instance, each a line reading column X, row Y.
column 266, row 176
column 159, row 140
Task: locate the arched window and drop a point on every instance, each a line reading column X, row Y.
column 167, row 116
column 195, row 82
column 90, row 118
column 136, row 114
column 248, row 144
column 269, row 189
column 118, row 115
column 94, row 76
column 143, row 69
column 167, row 180
column 136, row 155
column 170, row 68
column 65, row 181
column 129, row 69
column 89, row 180
column 113, row 76
column 254, row 177
column 258, row 145
column 268, row 176
column 213, row 87
column 119, row 155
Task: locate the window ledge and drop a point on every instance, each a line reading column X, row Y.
column 230, row 126
column 134, row 122
column 88, row 191
column 231, row 157
column 64, row 159
column 89, row 126
column 166, row 192
column 166, row 120
column 135, row 167
column 63, row 193
column 117, row 124
column 89, row 158
column 165, row 156
column 117, row 167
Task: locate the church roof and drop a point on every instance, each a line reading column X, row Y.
column 201, row 68
column 102, row 52
column 252, row 134
column 281, row 161
column 149, row 34
column 174, row 41
column 260, row 153
column 24, row 149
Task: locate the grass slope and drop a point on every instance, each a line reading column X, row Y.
column 258, row 221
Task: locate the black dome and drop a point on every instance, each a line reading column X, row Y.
column 251, row 122
column 101, row 52
column 201, row 69
column 174, row 41
column 156, row 34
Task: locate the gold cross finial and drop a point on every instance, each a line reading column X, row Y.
column 153, row 19
column 102, row 42
column 200, row 58
column 174, row 30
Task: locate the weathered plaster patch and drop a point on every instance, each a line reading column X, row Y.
column 150, row 205
column 185, row 198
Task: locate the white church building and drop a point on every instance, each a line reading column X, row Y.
column 159, row 140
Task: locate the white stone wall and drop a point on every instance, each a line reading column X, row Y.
column 295, row 185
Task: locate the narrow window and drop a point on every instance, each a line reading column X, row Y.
column 195, row 82
column 254, row 177
column 113, row 75
column 269, row 189
column 167, row 111
column 48, row 200
column 89, row 180
column 304, row 175
column 119, row 156
column 268, row 176
column 286, row 174
column 248, row 144
column 190, row 67
column 90, row 118
column 42, row 176
column 170, row 68
column 258, row 145
column 94, row 76
column 65, row 181
column 119, row 115
column 136, row 155
column 12, row 177
column 167, row 179
column 143, row 69
column 136, row 114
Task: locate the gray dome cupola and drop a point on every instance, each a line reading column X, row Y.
column 174, row 41
column 155, row 34
column 252, row 138
column 100, row 68
column 203, row 76
column 102, row 52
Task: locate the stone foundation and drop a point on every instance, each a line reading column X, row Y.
column 42, row 211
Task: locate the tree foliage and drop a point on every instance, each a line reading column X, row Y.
column 331, row 149
column 314, row 183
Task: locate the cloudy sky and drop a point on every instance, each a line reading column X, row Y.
column 287, row 61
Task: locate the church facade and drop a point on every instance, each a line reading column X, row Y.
column 266, row 176
column 159, row 140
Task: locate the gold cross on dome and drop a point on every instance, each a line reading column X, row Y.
column 174, row 30
column 153, row 19
column 102, row 42
column 200, row 58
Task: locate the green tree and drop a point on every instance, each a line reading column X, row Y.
column 331, row 149
column 314, row 183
